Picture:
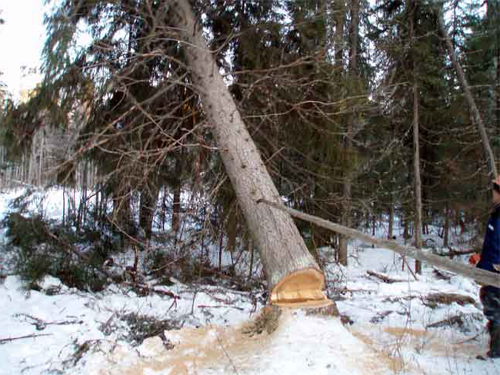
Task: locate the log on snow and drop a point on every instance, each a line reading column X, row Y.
column 294, row 278
column 480, row 276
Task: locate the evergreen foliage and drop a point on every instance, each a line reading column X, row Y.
column 44, row 247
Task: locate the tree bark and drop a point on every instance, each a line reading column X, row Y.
column 148, row 202
column 416, row 149
column 479, row 275
column 390, row 232
column 446, row 229
column 294, row 278
column 176, row 203
column 353, row 85
column 476, row 115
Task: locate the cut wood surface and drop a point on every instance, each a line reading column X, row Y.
column 299, row 289
column 282, row 250
column 477, row 274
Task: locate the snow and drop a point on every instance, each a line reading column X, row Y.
column 76, row 333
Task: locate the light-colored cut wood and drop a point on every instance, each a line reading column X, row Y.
column 300, row 289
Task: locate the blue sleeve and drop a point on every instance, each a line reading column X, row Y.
column 495, row 259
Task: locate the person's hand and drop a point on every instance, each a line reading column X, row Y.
column 496, row 267
column 475, row 258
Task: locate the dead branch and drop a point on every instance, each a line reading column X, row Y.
column 454, row 320
column 384, row 278
column 41, row 324
column 9, row 339
column 457, row 320
column 218, row 307
column 453, row 253
column 449, row 298
column 144, row 289
column 442, row 275
column 381, row 316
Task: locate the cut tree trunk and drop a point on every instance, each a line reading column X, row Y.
column 476, row 115
column 294, row 278
column 479, row 275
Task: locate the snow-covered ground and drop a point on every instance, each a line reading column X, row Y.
column 204, row 331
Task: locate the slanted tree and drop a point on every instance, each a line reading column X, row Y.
column 462, row 79
column 294, row 278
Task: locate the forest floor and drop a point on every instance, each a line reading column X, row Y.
column 397, row 327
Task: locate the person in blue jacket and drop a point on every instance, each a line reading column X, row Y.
column 490, row 261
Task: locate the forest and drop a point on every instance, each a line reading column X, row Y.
column 170, row 137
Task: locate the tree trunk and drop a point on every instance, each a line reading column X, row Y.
column 479, row 275
column 418, row 183
column 446, row 234
column 416, row 149
column 476, row 115
column 148, row 202
column 294, row 278
column 176, row 204
column 339, row 40
column 390, row 233
column 176, row 208
column 353, row 85
column 122, row 216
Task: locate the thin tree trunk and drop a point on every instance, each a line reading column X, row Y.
column 418, row 183
column 294, row 278
column 176, row 208
column 221, row 242
column 40, row 161
column 446, row 229
column 390, row 233
column 163, row 208
column 176, row 204
column 339, row 39
column 147, row 209
column 479, row 275
column 252, row 252
column 416, row 149
column 353, row 85
column 476, row 115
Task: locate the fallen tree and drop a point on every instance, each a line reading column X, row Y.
column 294, row 278
column 476, row 274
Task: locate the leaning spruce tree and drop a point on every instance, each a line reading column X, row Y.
column 294, row 278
